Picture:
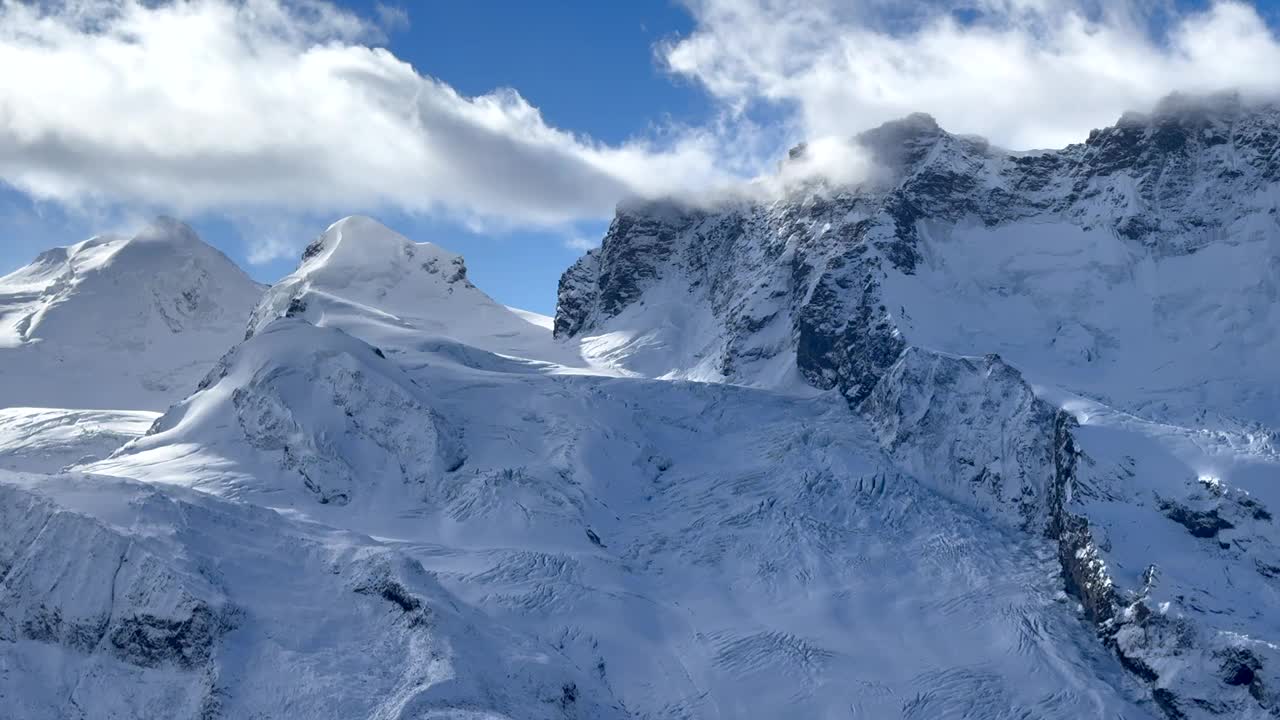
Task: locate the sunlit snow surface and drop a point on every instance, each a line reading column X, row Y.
column 697, row 550
column 752, row 552
column 1177, row 336
column 119, row 323
column 400, row 499
column 47, row 440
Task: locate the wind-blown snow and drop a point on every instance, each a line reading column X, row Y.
column 545, row 322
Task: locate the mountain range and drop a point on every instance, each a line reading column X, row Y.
column 985, row 435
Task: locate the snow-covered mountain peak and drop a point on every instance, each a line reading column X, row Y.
column 976, row 407
column 152, row 310
column 1092, row 248
column 363, row 249
column 165, row 246
column 899, row 145
column 362, row 262
column 152, row 249
column 377, row 285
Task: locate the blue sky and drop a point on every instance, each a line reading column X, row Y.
column 261, row 121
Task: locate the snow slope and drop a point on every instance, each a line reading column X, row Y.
column 122, row 600
column 1182, row 520
column 119, row 323
column 702, row 550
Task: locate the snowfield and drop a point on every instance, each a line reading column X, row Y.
column 992, row 437
column 48, row 440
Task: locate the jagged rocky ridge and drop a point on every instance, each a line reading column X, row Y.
column 1123, row 269
column 1152, row 221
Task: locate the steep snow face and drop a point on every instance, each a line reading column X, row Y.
column 378, row 285
column 1181, row 524
column 1169, row 335
column 118, row 599
column 119, row 323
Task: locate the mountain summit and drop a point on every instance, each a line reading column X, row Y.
column 1124, row 267
column 369, row 280
column 1075, row 341
column 119, row 322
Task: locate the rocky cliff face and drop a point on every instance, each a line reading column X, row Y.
column 1068, row 263
column 1124, row 269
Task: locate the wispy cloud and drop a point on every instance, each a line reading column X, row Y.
column 392, row 17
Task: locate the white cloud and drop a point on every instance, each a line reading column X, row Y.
column 1024, row 73
column 241, row 106
column 267, row 111
column 581, row 243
